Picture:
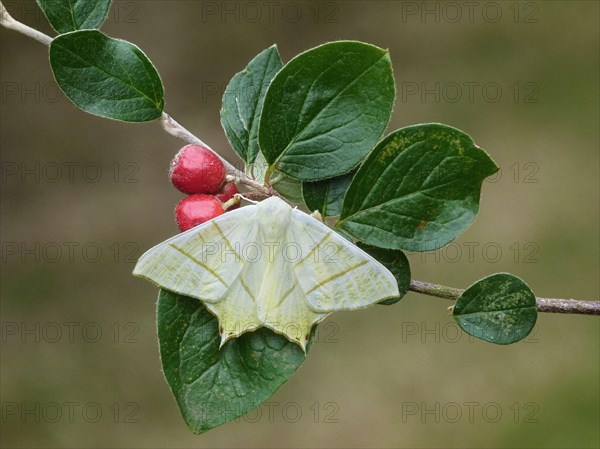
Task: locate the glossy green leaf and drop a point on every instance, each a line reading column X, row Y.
column 108, row 77
column 500, row 309
column 213, row 386
column 417, row 190
column 395, row 261
column 326, row 109
column 327, row 196
column 73, row 15
column 243, row 101
column 290, row 188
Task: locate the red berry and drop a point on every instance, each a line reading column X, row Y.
column 196, row 169
column 197, row 209
column 227, row 192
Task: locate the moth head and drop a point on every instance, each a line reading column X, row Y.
column 274, row 216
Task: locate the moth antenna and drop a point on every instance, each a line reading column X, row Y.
column 247, row 199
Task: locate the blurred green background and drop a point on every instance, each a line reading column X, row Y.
column 82, row 197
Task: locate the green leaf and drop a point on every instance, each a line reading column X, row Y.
column 290, row 188
column 327, row 196
column 243, row 101
column 108, row 77
column 326, row 109
column 73, row 15
column 417, row 190
column 213, row 386
column 500, row 309
column 397, row 263
column 258, row 169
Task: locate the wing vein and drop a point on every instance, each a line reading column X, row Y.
column 245, row 287
column 203, row 265
column 337, row 275
column 286, row 294
column 227, row 242
column 315, row 247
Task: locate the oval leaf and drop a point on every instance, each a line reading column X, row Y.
column 327, row 196
column 213, row 386
column 73, row 15
column 500, row 309
column 395, row 261
column 326, row 109
column 417, row 190
column 243, row 101
column 108, row 77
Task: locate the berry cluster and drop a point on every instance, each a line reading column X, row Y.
column 197, row 171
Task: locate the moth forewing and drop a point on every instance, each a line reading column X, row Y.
column 202, row 261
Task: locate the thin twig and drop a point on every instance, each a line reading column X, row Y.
column 168, row 123
column 8, row 22
column 549, row 305
column 556, row 305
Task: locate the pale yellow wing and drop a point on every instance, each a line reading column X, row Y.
column 333, row 273
column 205, row 261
